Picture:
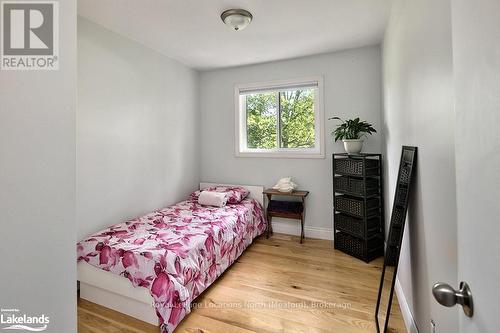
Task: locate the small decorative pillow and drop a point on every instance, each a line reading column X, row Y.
column 208, row 198
column 234, row 194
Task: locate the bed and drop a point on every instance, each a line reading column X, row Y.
column 154, row 266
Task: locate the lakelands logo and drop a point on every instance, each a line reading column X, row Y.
column 29, row 35
column 13, row 319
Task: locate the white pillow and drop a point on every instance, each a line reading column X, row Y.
column 209, row 198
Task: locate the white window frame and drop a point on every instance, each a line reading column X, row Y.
column 240, row 120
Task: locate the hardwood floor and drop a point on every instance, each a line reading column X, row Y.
column 277, row 285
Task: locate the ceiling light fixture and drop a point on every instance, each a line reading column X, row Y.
column 237, row 19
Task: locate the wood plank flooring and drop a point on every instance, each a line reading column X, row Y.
column 277, row 285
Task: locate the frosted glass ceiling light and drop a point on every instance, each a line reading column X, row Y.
column 237, row 19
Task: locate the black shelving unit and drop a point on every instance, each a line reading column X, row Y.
column 358, row 218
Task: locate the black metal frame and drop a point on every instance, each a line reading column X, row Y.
column 404, row 162
column 369, row 254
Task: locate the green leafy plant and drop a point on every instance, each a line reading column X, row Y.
column 352, row 129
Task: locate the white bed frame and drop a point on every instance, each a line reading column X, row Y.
column 116, row 292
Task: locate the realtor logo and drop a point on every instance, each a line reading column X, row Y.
column 14, row 319
column 29, row 35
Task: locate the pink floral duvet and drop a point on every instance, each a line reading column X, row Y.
column 175, row 252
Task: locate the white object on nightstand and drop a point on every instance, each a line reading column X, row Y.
column 285, row 185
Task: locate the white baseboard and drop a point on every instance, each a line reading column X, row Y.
column 290, row 227
column 410, row 324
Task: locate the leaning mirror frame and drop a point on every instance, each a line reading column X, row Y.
column 396, row 230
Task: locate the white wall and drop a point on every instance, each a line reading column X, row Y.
column 37, row 185
column 138, row 116
column 418, row 95
column 352, row 84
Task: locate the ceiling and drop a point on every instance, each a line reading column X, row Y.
column 192, row 32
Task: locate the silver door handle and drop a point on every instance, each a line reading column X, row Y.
column 447, row 296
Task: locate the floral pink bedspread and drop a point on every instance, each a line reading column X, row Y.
column 175, row 252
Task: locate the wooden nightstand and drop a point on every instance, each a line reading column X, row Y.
column 286, row 209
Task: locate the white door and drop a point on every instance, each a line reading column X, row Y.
column 476, row 57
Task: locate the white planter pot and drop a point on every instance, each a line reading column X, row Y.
column 353, row 146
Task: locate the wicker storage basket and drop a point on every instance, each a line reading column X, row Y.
column 356, row 206
column 357, row 247
column 356, row 186
column 355, row 227
column 341, row 183
column 354, row 167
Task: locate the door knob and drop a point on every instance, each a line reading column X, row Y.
column 447, row 296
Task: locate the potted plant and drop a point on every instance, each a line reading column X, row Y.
column 351, row 132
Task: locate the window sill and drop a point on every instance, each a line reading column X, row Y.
column 294, row 155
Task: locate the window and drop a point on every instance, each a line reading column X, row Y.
column 280, row 119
